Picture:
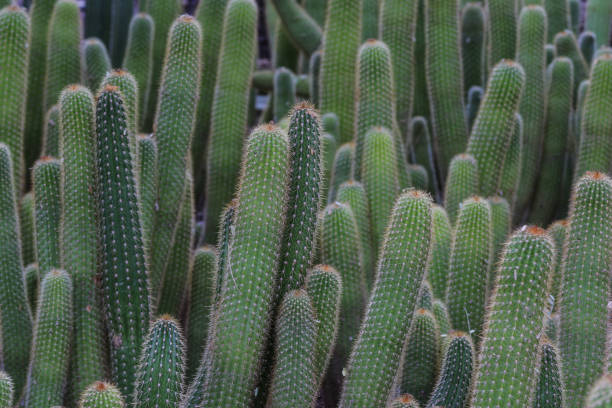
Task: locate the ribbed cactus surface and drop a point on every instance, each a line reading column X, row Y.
column 600, row 395
column 97, row 62
column 101, row 395
column 7, row 390
column 550, row 391
column 437, row 267
column 46, row 176
column 461, row 183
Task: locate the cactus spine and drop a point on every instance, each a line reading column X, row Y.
column 422, row 152
column 376, row 354
column 97, row 63
column 502, row 30
column 229, row 112
column 7, row 389
column 587, row 258
column 474, row 99
column 501, row 220
column 343, row 169
column 48, row 201
column 437, row 267
column 284, row 93
column 461, row 183
column 598, row 14
column 473, row 29
column 515, row 322
column 558, row 232
column 101, row 395
column 328, row 153
column 549, row 391
column 26, row 224
column 51, row 345
column 600, row 395
column 148, row 172
column 52, row 133
column 567, row 46
column 512, row 164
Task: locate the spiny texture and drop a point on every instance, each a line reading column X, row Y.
column 161, row 373
column 437, row 267
column 138, row 61
column 51, row 134
column 502, row 30
column 512, row 164
column 531, row 55
column 7, row 390
column 461, row 183
column 509, row 353
column 567, row 46
column 598, row 13
column 314, row 84
column 294, row 382
column 328, row 153
column 549, row 391
column 97, row 62
column 14, row 36
column 31, row 277
column 48, row 370
column 560, row 78
column 575, row 16
column 122, row 250
column 578, row 114
column 379, row 177
column 421, row 150
column 242, row 320
column 341, row 41
column 404, row 401
column 377, row 351
column 501, row 220
column 454, row 382
column 147, row 167
column 469, row 266
column 473, row 30
column 226, row 231
column 299, row 27
column 588, row 45
column 558, row 232
column 80, row 234
column 421, row 356
column 46, row 177
column 418, row 176
column 229, row 111
column 595, row 150
column 174, row 122
column 421, row 97
column 26, row 224
column 558, row 14
column 474, row 98
column 600, row 395
column 64, row 51
column 492, row 131
column 101, row 395
column 442, row 320
column 425, row 299
column 343, row 169
column 284, row 93
column 128, row 88
column 444, row 70
column 587, row 260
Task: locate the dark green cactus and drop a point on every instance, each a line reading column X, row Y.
column 97, row 19
column 558, row 232
column 587, row 260
column 515, row 322
column 502, row 30
column 316, row 9
column 377, row 352
column 314, row 84
column 437, row 267
column 284, row 93
column 299, row 26
column 600, row 395
column 422, row 152
column 567, row 46
column 474, row 99
column 26, row 224
column 501, row 220
column 223, row 245
column 161, row 373
column 128, row 88
column 575, row 15
column 442, row 320
column 121, row 243
column 512, row 165
column 331, row 124
column 588, row 45
column 558, row 14
column 343, row 169
column 461, row 183
column 425, row 299
column 418, row 176
column 473, row 31
column 229, row 112
column 285, row 53
column 48, row 371
column 597, row 20
column 578, row 114
column 549, row 391
column 32, row 282
column 101, row 395
column 7, row 389
column 328, row 153
column 148, row 172
column 550, row 53
column 121, row 14
column 52, row 133
column 97, row 63
column 404, row 401
column 370, row 10
column 421, row 97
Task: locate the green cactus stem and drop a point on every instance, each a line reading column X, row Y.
column 588, row 45
column 32, row 282
column 52, row 133
column 26, row 224
column 121, row 14
column 437, row 267
column 473, row 31
column 97, row 62
column 558, row 14
column 7, row 389
column 343, row 169
column 512, row 164
column 501, row 220
column 549, row 391
column 420, row 147
column 502, row 30
column 298, row 25
column 328, row 153
column 474, row 99
column 284, row 93
column 314, row 68
column 558, row 232
column 48, row 210
column 600, row 395
column 148, row 174
column 567, row 46
column 101, row 395
column 598, row 14
column 461, row 183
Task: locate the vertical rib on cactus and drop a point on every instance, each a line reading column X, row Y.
column 48, row 371
column 473, row 28
column 284, row 93
column 343, row 169
column 294, row 382
column 595, row 152
column 578, row 114
column 7, row 389
column 598, row 13
column 51, row 135
column 229, row 111
column 376, row 354
column 567, row 46
column 26, row 224
column 557, row 232
column 121, row 14
column 46, row 177
column 138, row 61
column 531, row 55
column 444, row 73
column 600, row 395
column 558, row 14
column 492, row 131
column 331, row 124
column 587, row 259
column 341, row 41
column 101, row 395
column 454, row 382
column 15, row 32
column 79, row 234
column 147, row 168
column 223, row 246
column 128, row 88
column 96, row 61
column 461, row 183
column 299, row 27
column 549, row 391
column 501, row 223
column 161, row 372
column 474, row 100
column 328, row 153
column 512, row 165
column 558, row 134
column 442, row 320
column 174, row 122
column 122, row 249
column 421, row 150
column 502, row 30
column 32, row 280
column 437, row 266
column 515, row 322
column 587, row 44
column 315, row 70
column 421, row 97
column 242, row 320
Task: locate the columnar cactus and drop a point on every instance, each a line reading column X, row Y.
column 97, row 63
column 513, row 163
column 48, row 370
column 51, row 134
column 587, row 258
column 32, row 280
column 473, row 31
column 501, row 220
column 600, row 395
column 558, row 14
column 588, row 45
column 299, row 27
column 442, row 320
column 549, row 392
column 26, row 224
column 284, row 93
column 314, row 68
column 343, row 169
column 461, row 183
column 223, row 246
column 46, row 177
column 328, row 153
column 515, row 322
column 229, row 112
column 7, row 389
column 421, row 96
column 421, row 150
column 147, row 167
column 558, row 232
column 567, row 46
column 418, row 176
column 101, row 395
column 474, row 98
column 437, row 267
column 121, row 14
column 575, row 16
column 598, row 14
column 502, row 30
column 377, row 351
column 404, row 401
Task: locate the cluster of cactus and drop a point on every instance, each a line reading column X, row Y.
column 305, row 203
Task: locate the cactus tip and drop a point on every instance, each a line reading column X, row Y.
column 535, row 230
column 101, row 386
column 406, row 398
column 110, row 88
column 595, row 175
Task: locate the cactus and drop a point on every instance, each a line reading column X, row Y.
column 474, row 100
column 600, row 395
column 328, row 153
column 300, row 28
column 101, row 395
column 285, row 53
column 398, row 28
column 15, row 29
column 121, row 14
column 557, row 232
column 404, row 401
column 578, row 114
column 32, row 279
column 97, row 19
column 532, row 56
column 598, row 13
column 558, row 126
column 567, row 46
column 52, row 133
column 443, row 65
column 26, row 224
column 161, row 372
column 469, row 266
column 97, row 63
column 461, row 183
column 502, row 30
column 425, row 298
column 46, row 177
column 128, row 88
column 377, row 351
column 284, row 93
column 421, row 150
column 595, row 151
column 40, row 14
column 421, row 97
column 294, row 381
column 550, row 53
column 437, row 267
column 549, row 391
column 442, row 320
column 558, row 14
column 586, row 261
column 515, row 322
column 342, row 170
column 512, row 165
column 239, row 337
column 421, row 356
column 229, row 112
column 501, row 220
column 588, row 45
column 453, row 386
column 148, row 172
column 163, row 13
column 331, row 124
column 223, row 246
column 492, row 131
column 7, row 389
column 314, row 67
column 341, row 41
column 64, row 51
column 473, row 30
column 121, row 243
column 138, row 61
column 48, row 370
